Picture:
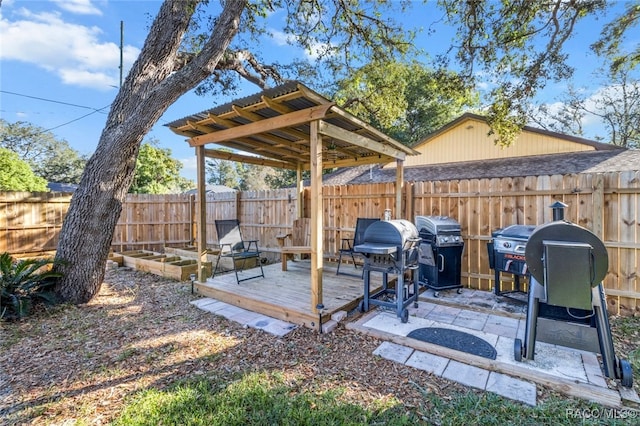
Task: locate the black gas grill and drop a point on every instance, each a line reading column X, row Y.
column 390, row 247
column 440, row 253
column 506, row 254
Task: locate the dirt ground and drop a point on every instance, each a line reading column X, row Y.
column 82, row 362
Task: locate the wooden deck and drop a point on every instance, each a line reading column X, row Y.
column 286, row 295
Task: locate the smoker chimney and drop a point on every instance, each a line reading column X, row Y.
column 558, row 210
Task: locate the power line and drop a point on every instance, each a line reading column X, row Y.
column 93, row 110
column 76, row 119
column 53, row 101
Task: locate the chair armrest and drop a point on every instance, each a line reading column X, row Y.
column 228, row 246
column 347, row 244
column 249, row 243
column 281, row 238
column 214, row 249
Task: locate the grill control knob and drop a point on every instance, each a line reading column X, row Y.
column 506, row 244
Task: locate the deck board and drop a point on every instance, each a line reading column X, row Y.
column 286, row 295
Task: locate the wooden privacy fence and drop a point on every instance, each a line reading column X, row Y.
column 607, row 204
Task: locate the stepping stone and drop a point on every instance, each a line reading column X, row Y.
column 393, row 352
column 244, row 316
column 512, row 388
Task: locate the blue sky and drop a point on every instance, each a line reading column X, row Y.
column 59, row 64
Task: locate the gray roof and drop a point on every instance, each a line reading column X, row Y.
column 211, row 189
column 537, row 165
column 62, row 187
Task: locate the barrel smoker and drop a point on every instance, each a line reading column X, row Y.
column 567, row 264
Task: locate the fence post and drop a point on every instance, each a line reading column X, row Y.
column 408, row 195
column 194, row 219
column 598, row 205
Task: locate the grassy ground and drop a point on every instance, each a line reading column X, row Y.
column 140, row 354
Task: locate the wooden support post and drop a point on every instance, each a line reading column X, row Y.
column 316, row 216
column 201, row 242
column 399, row 189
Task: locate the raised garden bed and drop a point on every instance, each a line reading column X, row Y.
column 212, row 257
column 164, row 265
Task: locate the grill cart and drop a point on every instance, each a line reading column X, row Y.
column 506, row 255
column 390, row 247
column 440, row 253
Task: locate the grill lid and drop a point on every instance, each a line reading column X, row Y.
column 387, row 236
column 437, row 224
column 522, row 232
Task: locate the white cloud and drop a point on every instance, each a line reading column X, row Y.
column 281, row 38
column 86, row 78
column 81, row 7
column 316, row 50
column 74, row 52
column 189, row 167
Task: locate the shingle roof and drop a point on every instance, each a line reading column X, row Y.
column 62, row 187
column 211, row 189
column 539, row 165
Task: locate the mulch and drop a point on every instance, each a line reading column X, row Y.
column 140, row 332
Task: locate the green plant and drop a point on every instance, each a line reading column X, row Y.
column 23, row 283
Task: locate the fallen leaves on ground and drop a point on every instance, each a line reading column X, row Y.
column 140, row 332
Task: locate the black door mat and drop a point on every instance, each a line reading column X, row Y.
column 454, row 339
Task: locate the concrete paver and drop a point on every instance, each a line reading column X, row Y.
column 244, row 316
column 465, row 374
column 444, row 314
column 471, row 319
column 389, row 322
column 501, row 326
column 229, row 311
column 430, row 363
column 209, row 305
column 423, row 309
column 512, row 388
column 393, row 352
column 592, row 369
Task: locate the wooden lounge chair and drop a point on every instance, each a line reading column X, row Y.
column 348, row 244
column 298, row 241
column 234, row 247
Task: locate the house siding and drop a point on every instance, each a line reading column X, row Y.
column 469, row 141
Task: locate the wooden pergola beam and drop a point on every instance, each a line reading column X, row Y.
column 336, row 132
column 259, row 161
column 268, row 124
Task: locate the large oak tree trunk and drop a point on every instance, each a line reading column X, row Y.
column 152, row 85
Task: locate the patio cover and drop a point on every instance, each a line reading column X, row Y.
column 289, row 126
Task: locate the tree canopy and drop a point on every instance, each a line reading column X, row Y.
column 158, row 173
column 518, row 47
column 50, row 158
column 16, row 175
column 405, row 100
